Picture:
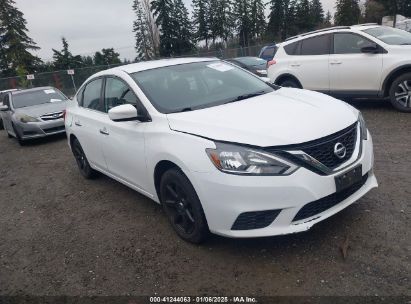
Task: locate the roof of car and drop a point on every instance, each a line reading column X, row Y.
column 335, row 28
column 153, row 64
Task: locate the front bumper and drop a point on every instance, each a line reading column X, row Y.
column 40, row 129
column 224, row 197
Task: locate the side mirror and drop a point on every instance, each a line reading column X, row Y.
column 125, row 112
column 4, row 108
column 371, row 49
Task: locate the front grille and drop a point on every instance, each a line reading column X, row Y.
column 329, row 201
column 255, row 219
column 52, row 116
column 55, row 129
column 323, row 150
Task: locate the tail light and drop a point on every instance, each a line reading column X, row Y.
column 271, row 62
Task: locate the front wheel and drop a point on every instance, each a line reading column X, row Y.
column 81, row 159
column 400, row 93
column 182, row 206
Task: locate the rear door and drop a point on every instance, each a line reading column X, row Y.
column 6, row 115
column 88, row 124
column 351, row 71
column 310, row 65
column 124, row 145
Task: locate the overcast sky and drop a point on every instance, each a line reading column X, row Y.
column 88, row 25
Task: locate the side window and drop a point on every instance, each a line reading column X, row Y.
column 118, row 93
column 346, row 43
column 6, row 100
column 319, row 45
column 91, row 95
column 292, row 48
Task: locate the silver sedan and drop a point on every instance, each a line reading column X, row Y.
column 33, row 113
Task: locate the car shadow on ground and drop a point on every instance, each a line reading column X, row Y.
column 365, row 104
column 43, row 140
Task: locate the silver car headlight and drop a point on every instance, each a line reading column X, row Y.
column 363, row 127
column 248, row 161
column 26, row 118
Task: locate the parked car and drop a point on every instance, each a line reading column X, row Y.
column 255, row 65
column 219, row 148
column 33, row 113
column 366, row 61
column 2, row 94
column 268, row 52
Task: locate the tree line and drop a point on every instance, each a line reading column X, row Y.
column 165, row 28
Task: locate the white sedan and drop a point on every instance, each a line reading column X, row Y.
column 220, row 149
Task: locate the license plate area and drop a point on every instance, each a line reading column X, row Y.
column 349, row 178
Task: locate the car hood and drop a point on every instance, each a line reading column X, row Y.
column 38, row 110
column 284, row 117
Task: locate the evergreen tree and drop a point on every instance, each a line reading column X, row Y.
column 15, row 44
column 347, row 12
column 106, row 57
column 328, row 19
column 303, row 17
column 374, row 11
column 317, row 13
column 226, row 17
column 243, row 21
column 257, row 18
column 182, row 42
column 290, row 25
column 64, row 60
column 277, row 19
column 201, row 20
column 144, row 43
column 162, row 10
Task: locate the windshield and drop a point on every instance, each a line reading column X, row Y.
column 252, row 61
column 390, row 35
column 198, row 85
column 34, row 98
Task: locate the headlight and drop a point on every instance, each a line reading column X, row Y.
column 26, row 118
column 247, row 161
column 363, row 127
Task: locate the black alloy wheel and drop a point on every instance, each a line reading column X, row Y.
column 81, row 160
column 182, row 206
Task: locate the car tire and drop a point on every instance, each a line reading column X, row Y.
column 1, row 124
column 400, row 93
column 82, row 161
column 290, row 83
column 18, row 137
column 183, row 207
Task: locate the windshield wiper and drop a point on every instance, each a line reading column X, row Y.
column 246, row 96
column 188, row 109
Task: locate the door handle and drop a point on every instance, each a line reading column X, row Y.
column 295, row 64
column 104, row 131
column 335, row 62
column 78, row 124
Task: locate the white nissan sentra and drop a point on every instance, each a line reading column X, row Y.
column 220, row 149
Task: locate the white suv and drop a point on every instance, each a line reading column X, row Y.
column 219, row 148
column 362, row 61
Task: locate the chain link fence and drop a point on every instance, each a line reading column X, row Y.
column 69, row 84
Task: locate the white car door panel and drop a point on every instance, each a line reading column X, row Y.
column 124, row 145
column 87, row 123
column 352, row 70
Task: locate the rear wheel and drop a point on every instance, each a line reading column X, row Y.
column 182, row 206
column 81, row 159
column 289, row 83
column 400, row 93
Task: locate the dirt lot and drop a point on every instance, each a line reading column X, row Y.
column 63, row 235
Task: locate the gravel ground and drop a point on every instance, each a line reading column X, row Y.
column 63, row 235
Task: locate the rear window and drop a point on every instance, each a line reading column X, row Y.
column 269, row 51
column 319, row 45
column 292, row 48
